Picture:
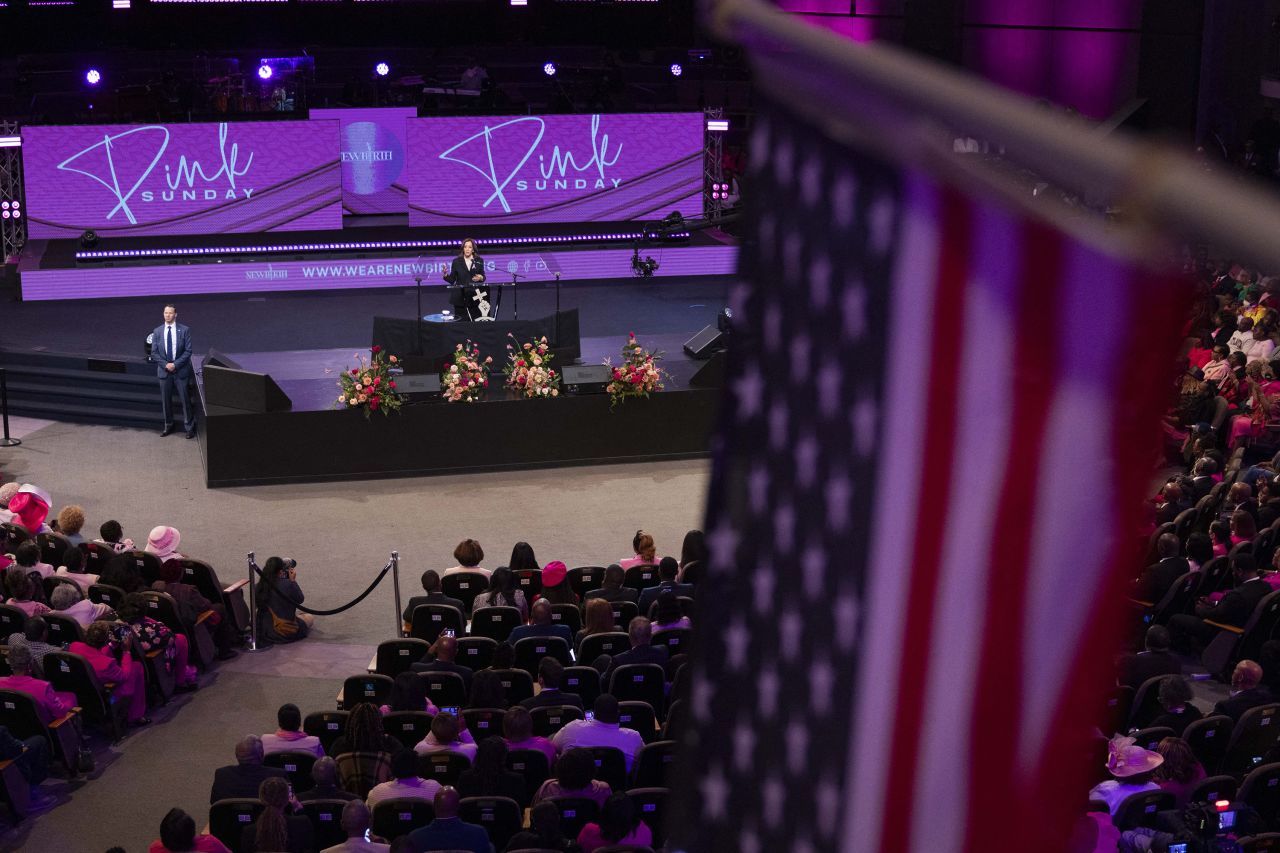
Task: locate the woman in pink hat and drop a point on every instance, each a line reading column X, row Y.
column 31, row 507
column 163, row 542
column 1133, row 769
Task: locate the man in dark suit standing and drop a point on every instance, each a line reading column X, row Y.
column 465, row 273
column 171, row 352
column 667, row 571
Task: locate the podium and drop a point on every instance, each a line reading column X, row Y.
column 485, row 301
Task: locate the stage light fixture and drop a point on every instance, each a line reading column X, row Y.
column 549, row 69
column 93, row 76
column 265, row 72
column 382, row 69
column 717, row 125
column 519, row 2
column 676, row 70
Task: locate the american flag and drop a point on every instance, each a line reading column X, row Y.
column 938, row 430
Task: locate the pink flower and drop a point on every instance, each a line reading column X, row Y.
column 521, row 379
column 528, row 346
column 488, row 359
column 392, row 383
column 458, row 348
column 394, row 359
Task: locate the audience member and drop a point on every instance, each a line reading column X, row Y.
column 178, row 835
column 543, row 832
column 604, row 730
column 502, row 592
column 693, row 558
column 641, row 651
column 1175, row 699
column 405, row 781
column 364, row 733
column 442, row 656
column 31, row 757
column 642, row 545
column 112, row 662
column 517, row 730
column 72, row 569
column 598, row 620
column 446, row 735
column 152, row 634
column 50, row 704
column 487, row 691
column 355, row 823
column 1180, row 772
column 1132, row 769
column 488, row 776
column 408, row 693
column 1159, row 577
column 27, row 556
column 279, row 595
column 243, row 778
column 522, row 558
column 468, row 554
column 1246, row 691
column 278, row 829
column 324, row 778
column 192, row 605
column 163, row 543
column 667, row 572
column 1243, row 527
column 612, row 589
column 1234, row 608
column 30, row 504
column 1155, row 660
column 69, row 523
column 504, row 658
column 619, row 826
column 68, row 600
column 573, row 777
column 556, row 588
column 123, row 573
column 431, row 585
column 112, row 535
column 1220, row 535
column 1199, row 551
column 550, row 677
column 7, row 491
column 667, row 615
column 448, row 831
column 541, row 625
column 34, row 638
column 289, row 737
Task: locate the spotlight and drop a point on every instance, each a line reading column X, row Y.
column 676, row 70
column 265, row 72
column 549, row 69
column 382, row 69
column 93, row 76
column 718, row 125
column 88, row 240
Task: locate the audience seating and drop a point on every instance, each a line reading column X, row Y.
column 650, row 804
column 161, row 607
column 677, row 720
column 202, row 576
column 360, row 771
column 583, row 579
column 49, row 584
column 297, row 765
column 370, row 687
column 400, row 816
column 1142, row 809
column 326, row 725
column 326, row 822
column 482, row 722
column 19, row 715
column 71, row 673
column 531, row 650
column 517, row 683
column 582, row 681
column 623, row 613
column 529, row 581
column 1208, row 739
column 96, row 556
column 676, row 640
column 549, row 719
column 575, row 813
column 642, row 682
column 464, row 586
column 408, row 727
column 1214, row 788
column 445, row 689
column 11, row 621
column 1261, row 790
column 444, row 767
column 686, row 607
column 148, row 565
column 1266, row 841
column 611, row 765
column 653, row 763
column 594, row 645
column 568, row 615
column 640, row 717
column 105, row 593
column 641, row 577
column 228, row 818
column 1255, row 734
column 532, row 764
column 396, row 656
column 14, row 789
column 501, row 817
column 495, row 622
column 63, row 630
column 476, row 652
column 1150, row 738
column 430, row 619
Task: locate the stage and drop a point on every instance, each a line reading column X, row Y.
column 318, row 442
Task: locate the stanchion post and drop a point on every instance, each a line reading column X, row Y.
column 253, row 607
column 5, row 440
column 395, row 583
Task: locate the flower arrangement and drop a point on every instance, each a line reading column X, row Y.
column 638, row 375
column 528, row 369
column 468, row 376
column 369, row 385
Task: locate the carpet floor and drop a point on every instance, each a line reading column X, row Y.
column 341, row 535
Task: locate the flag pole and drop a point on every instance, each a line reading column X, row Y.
column 910, row 101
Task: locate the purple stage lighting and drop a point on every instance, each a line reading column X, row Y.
column 265, row 72
column 382, row 69
column 93, row 76
column 549, row 69
column 676, row 70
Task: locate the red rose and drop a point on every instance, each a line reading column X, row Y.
column 617, row 374
column 636, row 380
column 392, row 383
column 373, row 404
column 376, row 349
column 355, row 371
column 520, row 363
column 377, row 380
column 485, row 383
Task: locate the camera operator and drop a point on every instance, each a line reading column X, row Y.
column 278, row 598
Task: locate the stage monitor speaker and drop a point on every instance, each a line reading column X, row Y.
column 243, row 390
column 217, row 359
column 711, row 374
column 703, row 344
column 418, row 387
column 585, row 378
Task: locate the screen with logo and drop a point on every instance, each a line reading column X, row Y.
column 560, row 168
column 373, row 158
column 182, row 178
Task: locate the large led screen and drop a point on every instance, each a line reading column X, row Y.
column 182, row 178
column 373, row 158
column 562, row 168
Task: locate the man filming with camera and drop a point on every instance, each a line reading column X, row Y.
column 279, row 620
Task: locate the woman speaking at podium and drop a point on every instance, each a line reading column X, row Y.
column 465, row 274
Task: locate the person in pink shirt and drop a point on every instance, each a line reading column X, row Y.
column 50, row 704
column 646, row 553
column 517, row 729
column 125, row 672
column 20, row 588
column 178, row 835
column 619, row 826
column 290, row 737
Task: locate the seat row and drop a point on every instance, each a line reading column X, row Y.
column 497, row 622
column 1260, row 791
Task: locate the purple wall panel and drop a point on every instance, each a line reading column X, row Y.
column 856, row 29
column 828, row 7
column 175, row 279
column 1102, row 14
column 1009, row 13
column 879, row 7
column 182, row 178
column 561, row 168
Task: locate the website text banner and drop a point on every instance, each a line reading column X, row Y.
column 257, row 277
column 479, row 170
column 373, row 158
column 133, row 180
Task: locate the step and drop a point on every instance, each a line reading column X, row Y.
column 30, row 390
column 60, row 411
column 64, row 373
